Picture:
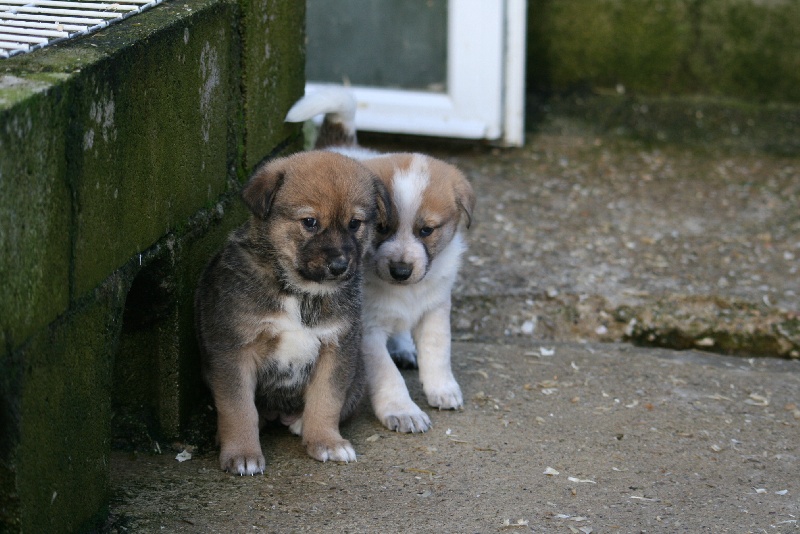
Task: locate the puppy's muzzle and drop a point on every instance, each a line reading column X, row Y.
column 400, row 271
column 338, row 266
column 327, row 268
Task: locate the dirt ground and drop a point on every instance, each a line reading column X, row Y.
column 592, row 258
column 591, row 237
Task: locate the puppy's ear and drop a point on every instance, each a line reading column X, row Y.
column 465, row 198
column 259, row 192
column 386, row 213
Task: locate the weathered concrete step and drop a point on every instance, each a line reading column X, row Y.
column 712, row 324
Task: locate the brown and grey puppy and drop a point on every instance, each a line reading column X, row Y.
column 278, row 308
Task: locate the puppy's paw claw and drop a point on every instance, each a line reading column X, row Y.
column 242, row 463
column 339, row 451
column 412, row 421
column 447, row 397
column 407, row 424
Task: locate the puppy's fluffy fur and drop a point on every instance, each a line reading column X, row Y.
column 409, row 269
column 278, row 308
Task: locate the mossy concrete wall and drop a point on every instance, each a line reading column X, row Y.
column 742, row 49
column 121, row 158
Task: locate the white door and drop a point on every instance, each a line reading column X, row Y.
column 483, row 96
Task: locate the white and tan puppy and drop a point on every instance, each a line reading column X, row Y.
column 410, row 269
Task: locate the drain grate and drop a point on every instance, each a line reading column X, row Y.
column 26, row 25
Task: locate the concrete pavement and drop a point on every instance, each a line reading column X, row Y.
column 556, row 438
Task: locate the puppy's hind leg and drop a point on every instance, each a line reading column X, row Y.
column 324, row 400
column 432, row 336
column 402, row 349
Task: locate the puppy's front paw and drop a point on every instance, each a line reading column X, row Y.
column 445, row 397
column 407, row 418
column 335, row 451
column 242, row 462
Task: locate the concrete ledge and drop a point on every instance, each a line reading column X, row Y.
column 122, row 156
column 64, row 414
column 36, row 209
column 150, row 151
column 733, row 125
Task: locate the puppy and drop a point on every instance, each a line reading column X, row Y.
column 409, row 269
column 278, row 308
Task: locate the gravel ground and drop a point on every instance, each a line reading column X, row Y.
column 598, row 238
column 592, row 257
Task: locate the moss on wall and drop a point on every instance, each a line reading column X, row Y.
column 35, row 212
column 271, row 86
column 64, row 414
column 148, row 151
column 733, row 48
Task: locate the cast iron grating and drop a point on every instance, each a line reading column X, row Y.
column 26, row 25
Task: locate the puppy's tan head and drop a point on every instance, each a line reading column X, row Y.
column 430, row 199
column 314, row 214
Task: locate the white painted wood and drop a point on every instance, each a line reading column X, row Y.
column 514, row 83
column 475, row 61
column 484, row 95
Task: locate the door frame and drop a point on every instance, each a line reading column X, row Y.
column 484, row 95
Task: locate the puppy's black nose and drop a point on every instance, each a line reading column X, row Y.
column 400, row 271
column 338, row 266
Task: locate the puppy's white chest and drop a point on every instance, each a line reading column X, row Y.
column 398, row 308
column 298, row 343
column 395, row 308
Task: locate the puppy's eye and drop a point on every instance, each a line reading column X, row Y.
column 310, row 223
column 425, row 231
column 382, row 229
column 354, row 225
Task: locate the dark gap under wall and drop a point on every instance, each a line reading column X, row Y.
column 144, row 362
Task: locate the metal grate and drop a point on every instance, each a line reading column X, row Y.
column 26, row 25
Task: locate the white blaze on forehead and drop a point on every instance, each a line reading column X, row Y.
column 408, row 186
